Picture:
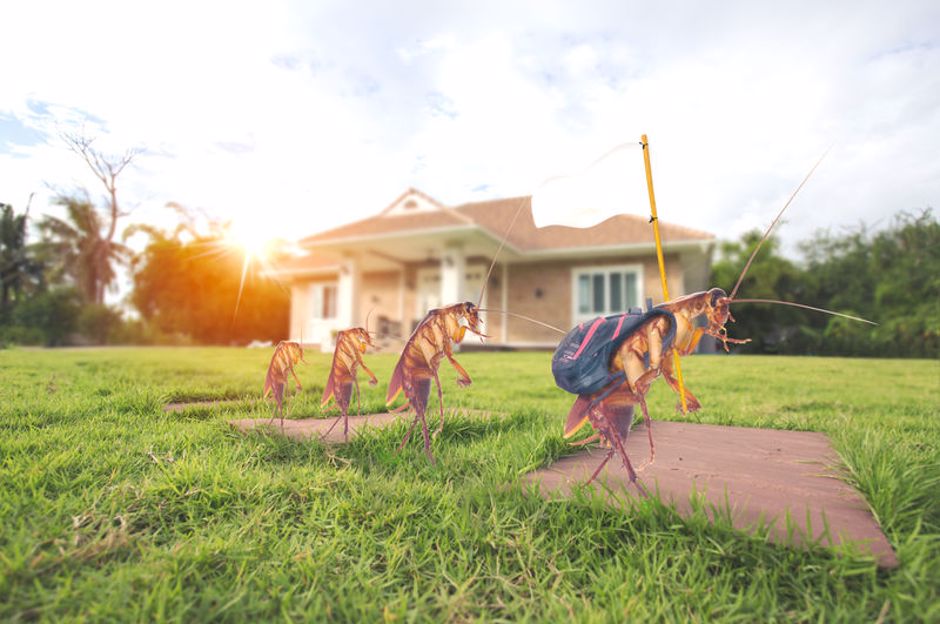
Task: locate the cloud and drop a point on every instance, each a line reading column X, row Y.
column 296, row 117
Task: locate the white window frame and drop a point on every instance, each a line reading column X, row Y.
column 577, row 272
column 317, row 290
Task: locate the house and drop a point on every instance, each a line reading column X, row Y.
column 419, row 254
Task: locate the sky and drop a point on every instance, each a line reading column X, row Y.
column 288, row 118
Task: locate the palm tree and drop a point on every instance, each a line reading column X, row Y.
column 18, row 268
column 83, row 252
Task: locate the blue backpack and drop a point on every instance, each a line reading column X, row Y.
column 581, row 361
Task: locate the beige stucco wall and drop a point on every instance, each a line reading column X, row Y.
column 299, row 307
column 381, row 292
column 554, row 279
column 554, row 307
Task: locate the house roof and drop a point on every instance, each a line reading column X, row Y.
column 495, row 216
column 310, row 264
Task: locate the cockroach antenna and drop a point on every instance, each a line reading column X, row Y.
column 489, row 272
column 773, row 224
column 525, row 318
column 502, row 244
column 760, row 243
column 805, row 307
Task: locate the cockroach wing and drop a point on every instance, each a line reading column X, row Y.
column 270, row 380
column 577, row 416
column 395, row 383
column 328, row 390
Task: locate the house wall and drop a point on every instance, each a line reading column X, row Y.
column 554, row 307
column 299, row 308
column 382, row 293
column 379, row 293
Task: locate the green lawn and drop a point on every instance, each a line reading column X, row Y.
column 112, row 509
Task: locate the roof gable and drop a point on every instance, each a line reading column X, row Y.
column 412, row 202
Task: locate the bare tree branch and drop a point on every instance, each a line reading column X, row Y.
column 106, row 169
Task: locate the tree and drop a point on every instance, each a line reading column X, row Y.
column 53, row 315
column 192, row 287
column 18, row 269
column 772, row 329
column 106, row 168
column 79, row 243
column 892, row 277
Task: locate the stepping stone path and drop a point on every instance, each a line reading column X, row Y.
column 307, row 428
column 179, row 406
column 765, row 472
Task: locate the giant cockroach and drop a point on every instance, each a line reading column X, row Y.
column 431, row 341
column 344, row 373
column 286, row 355
column 624, row 370
column 619, row 352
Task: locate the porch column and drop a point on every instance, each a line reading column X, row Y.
column 348, row 293
column 453, row 275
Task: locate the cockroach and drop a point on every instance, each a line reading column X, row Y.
column 618, row 371
column 286, row 355
column 431, row 341
column 351, row 344
column 620, row 352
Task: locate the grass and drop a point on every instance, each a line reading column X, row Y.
column 112, row 509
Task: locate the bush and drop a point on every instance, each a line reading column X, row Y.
column 140, row 332
column 19, row 335
column 54, row 314
column 99, row 324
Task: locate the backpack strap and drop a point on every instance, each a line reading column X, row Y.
column 587, row 338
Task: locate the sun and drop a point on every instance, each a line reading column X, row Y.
column 253, row 239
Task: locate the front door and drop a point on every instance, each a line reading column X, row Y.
column 429, row 289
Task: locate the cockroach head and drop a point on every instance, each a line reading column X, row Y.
column 295, row 350
column 363, row 338
column 718, row 313
column 715, row 295
column 717, row 310
column 471, row 314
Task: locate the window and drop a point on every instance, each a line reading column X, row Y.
column 324, row 298
column 329, row 302
column 599, row 291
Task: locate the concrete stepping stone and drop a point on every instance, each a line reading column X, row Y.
column 179, row 406
column 308, row 428
column 765, row 473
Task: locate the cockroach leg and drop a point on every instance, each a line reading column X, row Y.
column 610, row 454
column 440, row 402
column 404, row 440
column 335, row 422
column 358, row 409
column 618, row 444
column 427, row 439
column 649, row 435
column 585, row 441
